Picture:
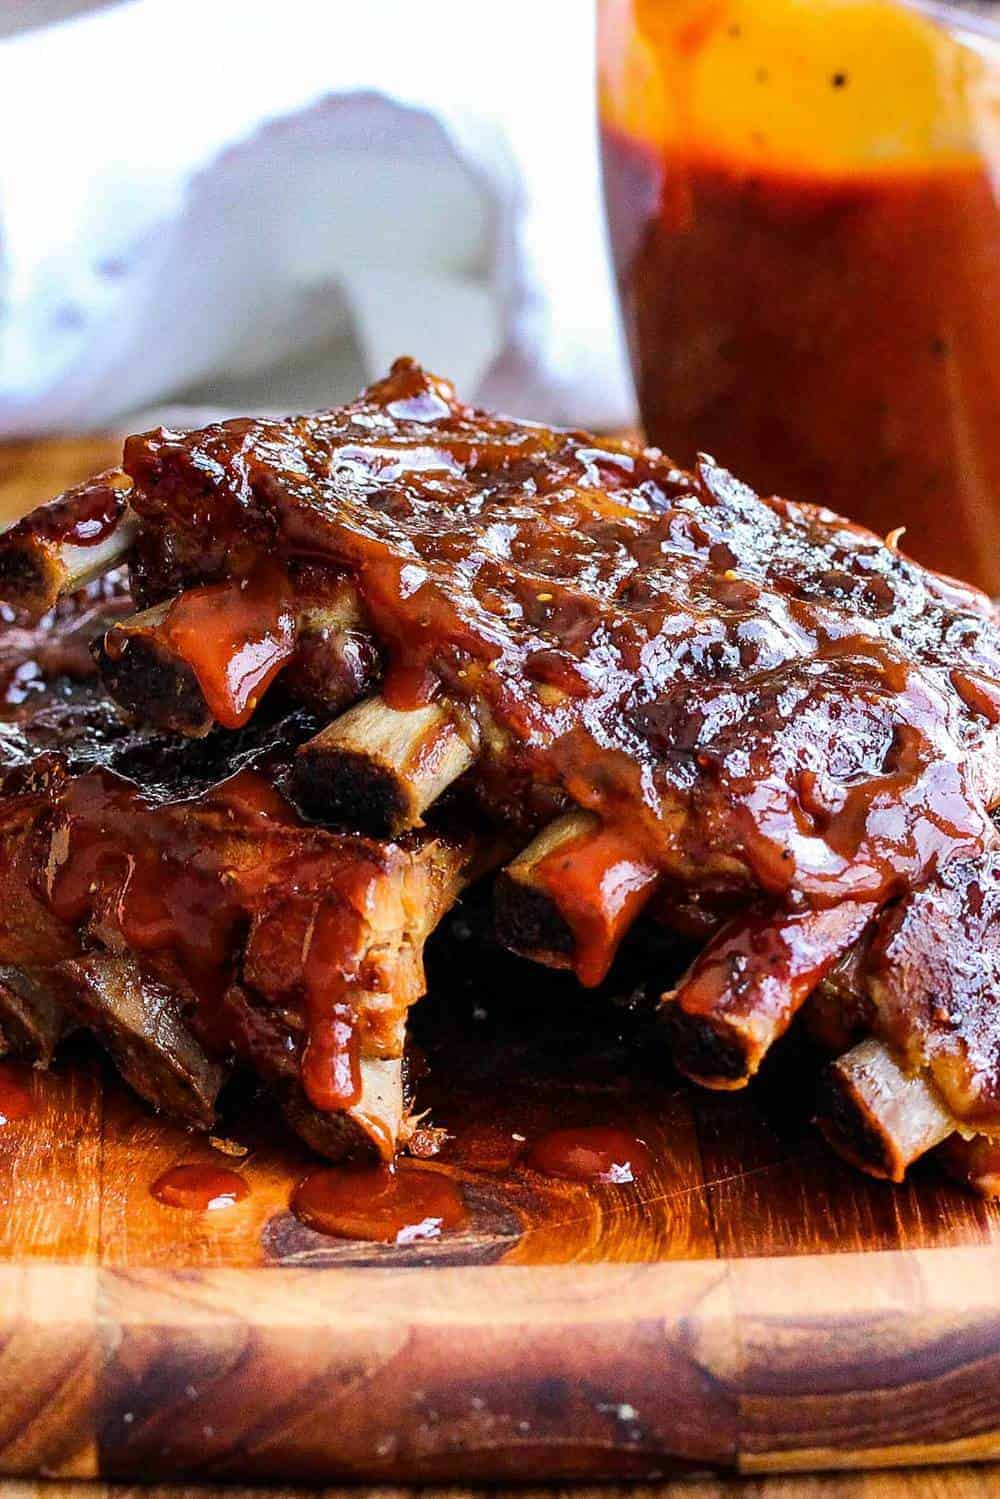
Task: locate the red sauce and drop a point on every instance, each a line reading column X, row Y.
column 408, row 687
column 599, row 887
column 200, row 1189
column 81, row 517
column 232, row 876
column 590, row 1153
column 830, row 339
column 16, row 1102
column 388, row 1205
column 331, row 1073
column 236, row 637
column 716, row 633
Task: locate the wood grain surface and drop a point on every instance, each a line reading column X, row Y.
column 957, row 1482
column 750, row 1305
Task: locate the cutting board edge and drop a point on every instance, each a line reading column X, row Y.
column 495, row 1373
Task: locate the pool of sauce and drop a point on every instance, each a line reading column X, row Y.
column 200, row 1188
column 590, row 1153
column 399, row 1204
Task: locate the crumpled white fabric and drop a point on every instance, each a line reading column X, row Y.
column 257, row 206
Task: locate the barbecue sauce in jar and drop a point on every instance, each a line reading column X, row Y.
column 806, row 233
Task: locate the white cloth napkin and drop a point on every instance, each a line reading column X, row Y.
column 257, row 206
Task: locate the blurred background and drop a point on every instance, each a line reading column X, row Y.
column 235, row 206
column 244, row 205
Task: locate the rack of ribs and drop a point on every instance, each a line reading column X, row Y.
column 651, row 691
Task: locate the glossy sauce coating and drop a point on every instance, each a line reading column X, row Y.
column 200, row 1188
column 236, row 637
column 82, row 517
column 934, row 978
column 600, row 887
column 754, row 693
column 229, row 885
column 385, row 1204
column 590, row 1153
column 58, row 644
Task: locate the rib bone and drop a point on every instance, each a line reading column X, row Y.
column 745, row 988
column 877, row 1116
column 145, row 669
column 569, row 898
column 378, row 768
column 45, row 556
column 138, row 1021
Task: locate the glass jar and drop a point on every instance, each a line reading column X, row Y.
column 804, row 204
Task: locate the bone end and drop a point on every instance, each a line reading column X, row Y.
column 716, row 1054
column 368, row 1130
column 877, row 1116
column 379, row 769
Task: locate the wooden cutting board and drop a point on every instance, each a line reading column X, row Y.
column 749, row 1304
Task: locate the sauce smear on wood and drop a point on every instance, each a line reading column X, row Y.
column 590, row 1153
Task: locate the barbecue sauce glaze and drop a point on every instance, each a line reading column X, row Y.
column 753, row 693
column 232, row 872
column 82, row 516
column 236, row 636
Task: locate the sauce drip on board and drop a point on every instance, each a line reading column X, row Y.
column 590, row 1153
column 16, row 1102
column 384, row 1204
column 200, row 1188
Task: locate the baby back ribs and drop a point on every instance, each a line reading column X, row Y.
column 750, row 716
column 170, row 898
